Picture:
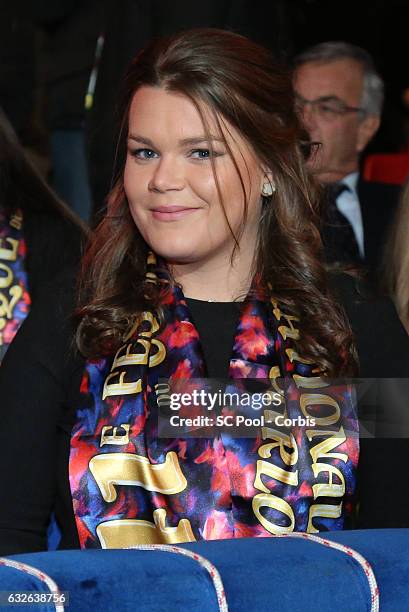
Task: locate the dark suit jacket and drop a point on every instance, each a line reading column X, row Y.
column 383, row 350
column 378, row 204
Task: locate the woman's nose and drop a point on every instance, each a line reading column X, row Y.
column 168, row 175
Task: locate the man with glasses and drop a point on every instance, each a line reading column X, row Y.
column 339, row 96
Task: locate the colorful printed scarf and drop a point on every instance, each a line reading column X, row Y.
column 130, row 486
column 14, row 297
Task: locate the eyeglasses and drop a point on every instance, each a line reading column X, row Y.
column 326, row 108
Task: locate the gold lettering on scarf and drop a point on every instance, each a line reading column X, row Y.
column 272, row 471
column 124, row 533
column 262, row 500
column 294, row 356
column 150, row 277
column 330, row 489
column 274, row 375
column 120, row 387
column 7, row 279
column 130, row 358
column 151, row 260
column 9, row 254
column 16, row 220
column 115, row 438
column 282, row 441
column 313, row 399
column 310, row 382
column 287, row 449
column 112, row 469
column 126, row 356
column 289, row 454
column 320, row 450
column 148, row 317
column 8, row 302
column 144, row 317
column 7, row 306
column 276, row 309
column 159, row 356
column 322, row 511
column 289, row 331
column 162, row 391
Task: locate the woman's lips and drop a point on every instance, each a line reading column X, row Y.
column 171, row 213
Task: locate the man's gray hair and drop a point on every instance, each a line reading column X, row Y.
column 372, row 90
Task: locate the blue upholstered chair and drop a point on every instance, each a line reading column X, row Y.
column 260, row 574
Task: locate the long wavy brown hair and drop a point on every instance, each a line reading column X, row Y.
column 241, row 84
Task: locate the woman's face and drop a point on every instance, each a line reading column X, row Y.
column 170, row 184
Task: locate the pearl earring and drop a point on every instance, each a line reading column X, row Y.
column 268, row 189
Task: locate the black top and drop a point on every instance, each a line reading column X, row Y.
column 54, row 242
column 39, row 388
column 216, row 323
column 378, row 202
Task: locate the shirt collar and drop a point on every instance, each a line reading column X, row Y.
column 351, row 181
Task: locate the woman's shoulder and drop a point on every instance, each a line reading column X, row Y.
column 47, row 336
column 53, row 243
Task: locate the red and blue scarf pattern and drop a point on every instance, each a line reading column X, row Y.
column 14, row 295
column 130, row 486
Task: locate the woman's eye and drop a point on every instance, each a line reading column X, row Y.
column 201, row 154
column 143, row 153
column 205, row 153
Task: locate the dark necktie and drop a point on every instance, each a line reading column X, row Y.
column 339, row 240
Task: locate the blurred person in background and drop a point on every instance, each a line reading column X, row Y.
column 40, row 236
column 65, row 56
column 396, row 262
column 339, row 96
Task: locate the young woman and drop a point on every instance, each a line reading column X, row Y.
column 207, row 264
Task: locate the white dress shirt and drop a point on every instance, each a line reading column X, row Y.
column 348, row 204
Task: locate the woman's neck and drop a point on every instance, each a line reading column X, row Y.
column 217, row 280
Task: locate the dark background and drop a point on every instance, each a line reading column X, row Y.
column 381, row 27
column 47, row 51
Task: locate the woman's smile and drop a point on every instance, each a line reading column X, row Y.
column 172, row 213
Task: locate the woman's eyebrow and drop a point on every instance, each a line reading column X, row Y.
column 185, row 141
column 199, row 139
column 142, row 139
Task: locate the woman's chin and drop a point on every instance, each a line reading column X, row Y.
column 177, row 253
